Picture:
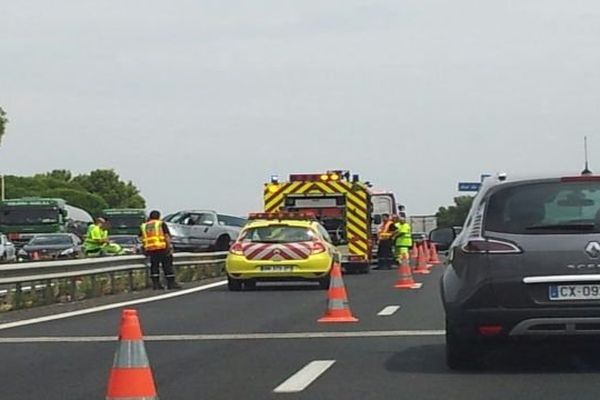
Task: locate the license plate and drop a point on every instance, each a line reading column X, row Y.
column 276, row 268
column 574, row 292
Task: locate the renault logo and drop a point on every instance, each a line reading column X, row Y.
column 593, row 249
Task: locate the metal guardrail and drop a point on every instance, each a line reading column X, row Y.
column 65, row 281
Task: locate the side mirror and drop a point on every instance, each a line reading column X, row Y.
column 377, row 219
column 207, row 223
column 442, row 237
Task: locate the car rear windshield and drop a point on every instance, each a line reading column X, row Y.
column 545, row 208
column 57, row 240
column 278, row 234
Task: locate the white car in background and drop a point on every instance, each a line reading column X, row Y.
column 199, row 230
column 8, row 253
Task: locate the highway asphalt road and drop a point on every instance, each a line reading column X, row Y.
column 266, row 344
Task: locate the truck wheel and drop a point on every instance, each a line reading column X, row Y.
column 223, row 243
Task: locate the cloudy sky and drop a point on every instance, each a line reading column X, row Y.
column 199, row 102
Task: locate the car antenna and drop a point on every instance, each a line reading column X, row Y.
column 586, row 170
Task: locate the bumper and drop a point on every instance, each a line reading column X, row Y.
column 556, row 321
column 313, row 268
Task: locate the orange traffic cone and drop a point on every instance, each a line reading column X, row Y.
column 130, row 376
column 405, row 279
column 422, row 267
column 337, row 307
column 433, row 254
column 414, row 253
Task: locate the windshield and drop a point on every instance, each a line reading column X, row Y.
column 545, row 208
column 278, row 234
column 125, row 221
column 51, row 240
column 28, row 216
column 382, row 205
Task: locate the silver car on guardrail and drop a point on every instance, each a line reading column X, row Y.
column 198, row 230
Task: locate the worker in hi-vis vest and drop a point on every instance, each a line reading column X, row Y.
column 156, row 240
column 403, row 240
column 385, row 251
column 96, row 241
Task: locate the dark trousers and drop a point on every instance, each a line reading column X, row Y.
column 385, row 254
column 158, row 259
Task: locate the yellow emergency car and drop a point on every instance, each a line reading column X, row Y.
column 281, row 246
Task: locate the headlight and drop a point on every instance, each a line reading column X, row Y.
column 22, row 253
column 67, row 252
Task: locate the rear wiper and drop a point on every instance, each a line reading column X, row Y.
column 583, row 227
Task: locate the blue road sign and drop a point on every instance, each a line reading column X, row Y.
column 468, row 186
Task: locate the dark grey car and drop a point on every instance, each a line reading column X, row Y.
column 527, row 264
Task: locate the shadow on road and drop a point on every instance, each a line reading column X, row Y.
column 514, row 358
column 280, row 287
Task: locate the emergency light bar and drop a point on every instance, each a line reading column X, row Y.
column 283, row 215
column 328, row 176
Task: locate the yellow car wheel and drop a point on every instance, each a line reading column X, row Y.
column 234, row 285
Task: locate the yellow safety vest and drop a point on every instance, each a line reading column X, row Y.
column 384, row 232
column 153, row 237
column 404, row 238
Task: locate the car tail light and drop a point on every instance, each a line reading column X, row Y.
column 318, row 247
column 490, row 246
column 490, row 330
column 237, row 249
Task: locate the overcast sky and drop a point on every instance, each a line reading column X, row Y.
column 199, row 102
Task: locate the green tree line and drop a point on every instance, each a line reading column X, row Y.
column 3, row 122
column 100, row 189
column 454, row 215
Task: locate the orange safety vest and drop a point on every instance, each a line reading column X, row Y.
column 384, row 231
column 153, row 237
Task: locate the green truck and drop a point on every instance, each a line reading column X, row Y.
column 124, row 221
column 21, row 219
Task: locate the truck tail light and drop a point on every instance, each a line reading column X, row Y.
column 490, row 246
column 237, row 249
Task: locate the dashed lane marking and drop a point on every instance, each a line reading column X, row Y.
column 229, row 336
column 303, row 378
column 388, row 311
column 71, row 314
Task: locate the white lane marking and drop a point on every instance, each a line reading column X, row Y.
column 232, row 336
column 303, row 378
column 70, row 314
column 389, row 310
